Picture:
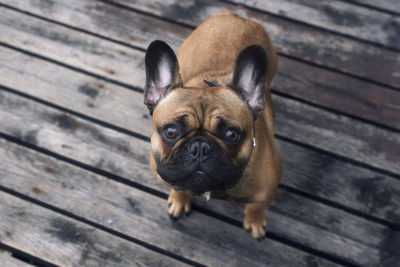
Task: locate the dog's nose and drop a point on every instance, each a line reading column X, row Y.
column 199, row 149
column 204, row 148
column 195, row 149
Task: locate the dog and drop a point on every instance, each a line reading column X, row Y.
column 213, row 117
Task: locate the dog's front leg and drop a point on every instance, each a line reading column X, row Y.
column 255, row 220
column 179, row 202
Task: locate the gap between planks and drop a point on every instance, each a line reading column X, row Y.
column 58, row 238
column 216, row 213
column 390, row 7
column 145, row 138
column 145, row 127
column 365, row 112
column 348, row 62
column 129, row 206
column 127, row 164
column 10, row 257
column 156, row 10
column 359, row 109
column 377, row 163
column 274, row 91
column 334, row 17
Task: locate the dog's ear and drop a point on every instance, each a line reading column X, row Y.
column 249, row 77
column 162, row 73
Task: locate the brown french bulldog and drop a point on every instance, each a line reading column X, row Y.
column 213, row 119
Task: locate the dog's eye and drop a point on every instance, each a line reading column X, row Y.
column 231, row 136
column 171, row 132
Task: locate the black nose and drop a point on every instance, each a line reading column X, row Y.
column 199, row 149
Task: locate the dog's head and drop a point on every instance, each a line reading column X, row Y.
column 202, row 138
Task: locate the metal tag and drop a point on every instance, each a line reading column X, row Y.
column 207, row 195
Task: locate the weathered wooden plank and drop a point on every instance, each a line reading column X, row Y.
column 71, row 47
column 339, row 92
column 338, row 16
column 290, row 38
column 63, row 87
column 124, row 108
column 339, row 134
column 358, row 188
column 7, row 260
column 311, row 44
column 77, row 49
column 62, row 241
column 386, row 5
column 321, row 87
column 389, row 242
column 327, row 229
column 138, row 214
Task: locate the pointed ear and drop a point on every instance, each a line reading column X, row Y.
column 162, row 73
column 249, row 77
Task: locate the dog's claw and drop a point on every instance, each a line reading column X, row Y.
column 261, row 238
column 174, row 218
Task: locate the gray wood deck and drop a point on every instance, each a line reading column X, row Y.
column 75, row 185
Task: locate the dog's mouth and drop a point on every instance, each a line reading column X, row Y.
column 199, row 182
column 215, row 173
column 200, row 173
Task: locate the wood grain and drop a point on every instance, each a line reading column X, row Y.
column 341, row 135
column 124, row 108
column 338, row 134
column 7, row 260
column 386, row 5
column 293, row 217
column 62, row 241
column 318, row 86
column 138, row 214
column 292, row 39
column 337, row 16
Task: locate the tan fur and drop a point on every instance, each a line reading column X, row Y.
column 210, row 52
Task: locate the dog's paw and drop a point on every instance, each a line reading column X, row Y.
column 255, row 221
column 179, row 203
column 258, row 229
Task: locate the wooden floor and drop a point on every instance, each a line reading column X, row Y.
column 75, row 185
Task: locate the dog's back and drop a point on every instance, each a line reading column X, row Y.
column 211, row 50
